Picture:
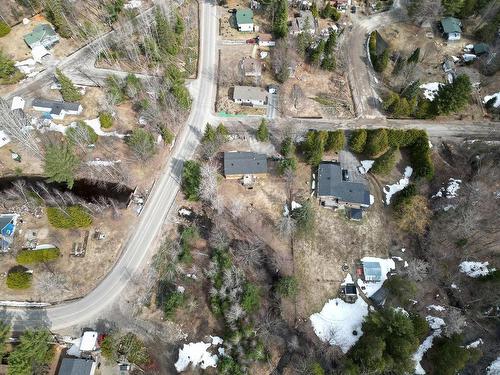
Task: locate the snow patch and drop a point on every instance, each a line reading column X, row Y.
column 475, row 269
column 496, row 103
column 133, row 4
column 431, row 89
column 296, row 205
column 436, row 307
column 95, row 124
column 419, row 354
column 434, row 322
column 494, row 368
column 450, row 191
column 366, row 165
column 474, row 344
column 390, row 190
column 196, row 353
column 398, row 258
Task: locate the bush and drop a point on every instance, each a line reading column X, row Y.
column 108, row 348
column 377, row 142
column 19, row 278
column 173, row 301
column 68, row 91
column 191, row 178
column 81, row 133
column 335, row 140
column 8, row 72
column 4, row 28
column 420, row 157
column 250, row 300
column 287, row 286
column 403, row 138
column 401, row 198
column 142, row 143
column 181, row 93
column 316, row 369
column 37, row 256
column 287, row 147
column 305, row 218
column 73, row 217
column 287, row 164
column 384, row 164
column 167, row 135
column 401, row 289
column 114, row 89
column 314, row 146
column 357, row 141
column 189, row 235
column 106, row 120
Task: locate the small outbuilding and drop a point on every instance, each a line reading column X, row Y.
column 7, row 230
column 244, row 20
column 42, row 35
column 372, row 271
column 481, row 49
column 303, row 23
column 451, row 28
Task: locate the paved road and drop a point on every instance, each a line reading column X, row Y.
column 138, row 250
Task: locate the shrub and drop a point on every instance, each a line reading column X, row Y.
column 287, row 286
column 173, row 301
column 142, row 143
column 403, row 138
column 188, row 236
column 133, row 349
column 106, row 120
column 191, row 178
column 316, row 369
column 305, row 218
column 401, row 289
column 19, row 278
column 108, row 347
column 314, row 146
column 287, row 164
column 384, row 164
column 287, row 147
column 167, row 135
column 402, row 197
column 420, row 325
column 251, row 298
column 377, row 142
column 114, row 89
column 60, row 163
column 335, row 140
column 37, row 256
column 420, row 157
column 4, row 28
column 73, row 217
column 181, row 93
column 8, row 72
column 81, row 133
column 357, row 141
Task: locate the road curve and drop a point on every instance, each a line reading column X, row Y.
column 139, row 248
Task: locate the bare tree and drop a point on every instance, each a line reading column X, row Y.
column 18, row 127
column 208, row 184
column 287, row 226
column 455, row 322
column 421, row 10
column 248, row 254
column 417, row 269
column 51, row 283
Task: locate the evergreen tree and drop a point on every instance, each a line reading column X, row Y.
column 377, row 142
column 4, row 335
column 280, row 24
column 68, row 91
column 411, row 91
column 357, row 141
column 453, row 7
column 55, row 14
column 7, row 67
column 448, row 356
column 454, row 96
column 60, row 163
column 166, row 38
column 263, row 131
column 400, row 63
column 33, row 354
column 314, row 10
column 335, row 140
column 413, row 59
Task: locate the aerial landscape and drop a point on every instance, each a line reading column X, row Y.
column 233, row 187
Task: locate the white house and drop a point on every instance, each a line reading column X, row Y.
column 244, row 20
column 249, row 95
column 452, row 28
column 57, row 109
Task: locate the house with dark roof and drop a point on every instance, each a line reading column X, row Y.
column 335, row 190
column 77, row 366
column 305, row 22
column 56, row 109
column 7, row 230
column 247, row 166
column 451, row 28
column 42, row 35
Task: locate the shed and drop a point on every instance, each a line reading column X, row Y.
column 251, row 67
column 372, row 271
column 77, row 366
column 42, row 35
column 380, row 296
column 481, row 49
column 451, row 27
column 89, row 341
column 356, row 214
column 244, row 19
column 239, row 164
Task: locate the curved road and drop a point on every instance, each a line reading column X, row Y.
column 137, row 252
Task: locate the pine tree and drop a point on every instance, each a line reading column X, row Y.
column 413, row 59
column 68, row 91
column 55, row 14
column 263, row 131
column 60, row 163
column 7, row 67
column 32, row 354
column 166, row 38
column 280, row 24
column 454, row 96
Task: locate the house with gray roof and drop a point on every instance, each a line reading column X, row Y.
column 305, row 22
column 249, row 95
column 56, row 109
column 451, row 28
column 335, row 190
column 77, row 366
column 7, row 230
column 244, row 165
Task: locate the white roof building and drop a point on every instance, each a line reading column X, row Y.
column 4, row 138
column 17, row 103
column 89, row 341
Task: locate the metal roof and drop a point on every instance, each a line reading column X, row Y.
column 451, row 25
column 39, row 33
column 238, row 163
column 244, row 15
column 5, row 220
column 55, row 105
column 372, row 271
column 75, row 366
column 248, row 93
column 481, row 48
column 355, row 214
column 331, row 184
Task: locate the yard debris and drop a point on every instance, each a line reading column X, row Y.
column 133, row 4
column 17, row 103
column 450, row 191
column 475, row 269
column 436, row 307
column 390, row 190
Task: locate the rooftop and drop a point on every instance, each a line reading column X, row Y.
column 237, row 163
column 244, row 15
column 481, row 48
column 39, row 33
column 331, row 184
column 55, row 105
column 76, row 366
column 451, row 25
column 249, row 93
column 372, row 271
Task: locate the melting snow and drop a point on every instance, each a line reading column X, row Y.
column 454, row 286
column 386, row 266
column 475, row 269
column 436, row 307
column 496, row 103
column 295, row 205
column 430, row 89
column 435, row 324
column 390, row 190
column 366, row 165
column 494, row 368
column 398, row 258
column 196, row 353
column 450, row 191
column 474, row 344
